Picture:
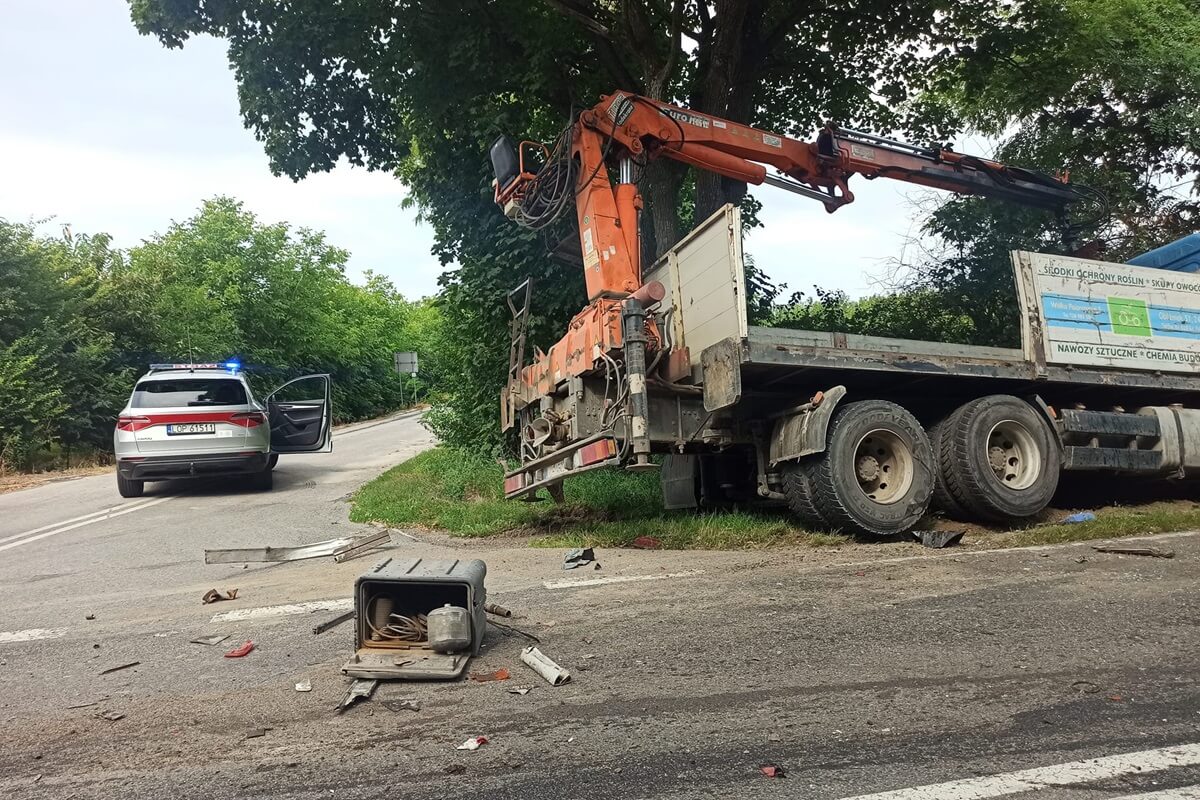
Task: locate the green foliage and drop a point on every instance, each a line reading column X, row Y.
column 1106, row 90
column 80, row 321
column 460, row 492
column 918, row 314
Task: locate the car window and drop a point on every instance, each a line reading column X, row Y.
column 189, row 392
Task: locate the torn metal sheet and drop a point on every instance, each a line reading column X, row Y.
column 242, row 555
column 359, row 690
column 362, row 545
column 1152, row 552
column 543, row 665
column 214, row 639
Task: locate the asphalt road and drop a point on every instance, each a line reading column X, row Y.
column 873, row 670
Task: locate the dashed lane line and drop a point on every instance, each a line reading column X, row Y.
column 33, row 536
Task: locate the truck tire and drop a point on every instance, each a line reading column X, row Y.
column 876, row 475
column 997, row 460
column 797, row 487
column 943, row 500
column 129, row 488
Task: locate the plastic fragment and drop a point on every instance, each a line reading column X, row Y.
column 1079, row 516
column 241, row 650
column 647, row 543
column 496, row 675
column 474, row 743
column 772, row 771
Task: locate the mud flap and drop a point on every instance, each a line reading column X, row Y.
column 678, row 479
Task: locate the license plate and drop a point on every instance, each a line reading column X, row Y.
column 186, row 428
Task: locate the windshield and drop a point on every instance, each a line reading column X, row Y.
column 189, row 392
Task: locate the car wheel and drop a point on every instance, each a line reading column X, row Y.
column 997, row 460
column 272, row 460
column 129, row 488
column 876, row 474
column 263, row 481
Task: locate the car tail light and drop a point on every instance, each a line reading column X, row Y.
column 133, row 423
column 248, row 419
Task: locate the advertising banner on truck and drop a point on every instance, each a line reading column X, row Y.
column 1093, row 313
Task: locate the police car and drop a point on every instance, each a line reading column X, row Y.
column 193, row 420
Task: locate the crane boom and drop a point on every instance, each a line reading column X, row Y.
column 626, row 130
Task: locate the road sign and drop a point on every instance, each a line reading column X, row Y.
column 406, row 363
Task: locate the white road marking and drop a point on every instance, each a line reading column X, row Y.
column 102, row 511
column 31, row 634
column 109, row 514
column 242, row 614
column 1029, row 780
column 620, row 579
column 1182, row 793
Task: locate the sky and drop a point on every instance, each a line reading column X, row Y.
column 108, row 131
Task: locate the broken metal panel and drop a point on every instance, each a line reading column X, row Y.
column 362, row 545
column 242, row 555
column 722, row 364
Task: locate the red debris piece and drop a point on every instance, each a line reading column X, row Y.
column 498, row 675
column 238, row 652
column 772, row 771
column 647, row 543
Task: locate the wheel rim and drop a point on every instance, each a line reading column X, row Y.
column 1013, row 454
column 883, row 466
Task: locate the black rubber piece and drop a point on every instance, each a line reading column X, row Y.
column 130, row 488
column 263, row 481
column 968, row 487
column 836, row 493
column 797, row 485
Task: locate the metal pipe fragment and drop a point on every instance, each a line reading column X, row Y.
column 543, row 665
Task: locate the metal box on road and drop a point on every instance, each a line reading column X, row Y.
column 390, row 603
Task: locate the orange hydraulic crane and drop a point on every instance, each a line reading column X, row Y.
column 626, row 130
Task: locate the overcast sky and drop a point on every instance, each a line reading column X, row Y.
column 108, row 131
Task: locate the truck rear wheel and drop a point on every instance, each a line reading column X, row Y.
column 876, row 474
column 997, row 460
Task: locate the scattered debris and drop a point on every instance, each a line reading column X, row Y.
column 89, row 703
column 90, row 616
column 361, row 689
column 242, row 555
column 211, row 640
column 333, row 623
column 1079, row 516
column 543, row 665
column 1153, row 552
column 1081, row 560
column 497, row 609
column 213, row 595
column 773, row 771
column 524, row 690
column 304, row 686
column 119, row 667
column 342, row 549
column 647, row 543
column 579, row 557
column 255, row 733
column 402, row 705
column 939, row 539
column 1116, row 698
column 111, row 716
column 241, row 650
column 362, row 545
column 496, row 675
column 405, row 534
column 474, row 743
column 1085, row 687
column 454, row 769
column 509, row 629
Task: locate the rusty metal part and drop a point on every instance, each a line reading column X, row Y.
column 321, row 627
column 497, row 609
column 362, row 545
column 1152, row 552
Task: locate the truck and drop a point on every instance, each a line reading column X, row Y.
column 864, row 434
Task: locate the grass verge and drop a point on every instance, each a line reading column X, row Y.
column 461, row 493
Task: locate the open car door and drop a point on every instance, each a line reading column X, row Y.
column 301, row 414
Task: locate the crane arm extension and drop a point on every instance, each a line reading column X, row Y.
column 820, row 169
